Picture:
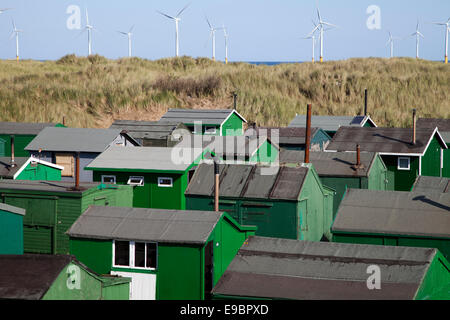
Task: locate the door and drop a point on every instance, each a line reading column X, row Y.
column 142, row 286
column 209, row 269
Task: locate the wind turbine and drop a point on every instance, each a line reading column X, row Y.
column 320, row 27
column 3, row 10
column 418, row 34
column 177, row 20
column 16, row 33
column 313, row 37
column 225, row 34
column 391, row 43
column 89, row 29
column 213, row 36
column 447, row 29
column 128, row 34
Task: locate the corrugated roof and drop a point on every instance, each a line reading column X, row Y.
column 147, row 129
column 328, row 123
column 383, row 140
column 433, row 184
column 16, row 210
column 394, row 212
column 23, row 127
column 249, row 181
column 332, row 163
column 73, row 139
column 140, row 224
column 304, row 270
column 146, row 158
column 6, row 171
column 443, row 126
column 207, row 116
column 48, row 186
column 285, row 135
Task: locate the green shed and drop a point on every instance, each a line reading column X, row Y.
column 11, row 229
column 169, row 254
column 394, row 218
column 284, row 202
column 340, row 170
column 21, row 133
column 159, row 176
column 405, row 155
column 56, row 277
column 218, row 122
column 29, row 168
column 53, row 206
column 281, row 269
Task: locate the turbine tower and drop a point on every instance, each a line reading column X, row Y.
column 177, row 19
column 16, row 32
column 225, row 34
column 391, row 43
column 213, row 36
column 447, row 29
column 320, row 27
column 418, row 34
column 128, row 34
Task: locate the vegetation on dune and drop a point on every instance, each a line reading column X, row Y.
column 91, row 92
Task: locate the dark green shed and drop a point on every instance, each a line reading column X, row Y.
column 53, row 206
column 169, row 254
column 29, row 168
column 285, row 202
column 11, row 229
column 397, row 218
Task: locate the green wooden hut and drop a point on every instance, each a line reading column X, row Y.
column 285, row 202
column 29, row 168
column 11, row 229
column 281, row 269
column 405, row 157
column 52, row 207
column 169, row 254
column 443, row 126
column 56, row 277
column 219, row 122
column 340, row 170
column 159, row 176
column 396, row 218
column 21, row 134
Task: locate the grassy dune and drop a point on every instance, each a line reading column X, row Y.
column 91, row 92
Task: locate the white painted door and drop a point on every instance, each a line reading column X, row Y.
column 143, row 285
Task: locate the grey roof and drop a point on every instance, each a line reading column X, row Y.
column 207, row 116
column 433, row 184
column 148, row 129
column 382, row 140
column 146, row 158
column 249, row 181
column 286, row 135
column 335, row 164
column 6, row 171
column 16, row 210
column 330, row 123
column 23, row 127
column 304, row 270
column 73, row 139
column 169, row 226
column 443, row 126
column 47, row 186
column 424, row 214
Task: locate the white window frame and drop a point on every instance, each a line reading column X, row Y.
column 210, row 127
column 108, row 176
column 404, row 158
column 136, row 184
column 164, row 185
column 132, row 251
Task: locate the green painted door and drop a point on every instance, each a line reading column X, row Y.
column 2, row 148
column 38, row 239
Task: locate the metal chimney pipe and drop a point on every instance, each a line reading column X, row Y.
column 13, row 160
column 77, row 173
column 358, row 155
column 235, row 100
column 308, row 133
column 365, row 102
column 216, row 186
column 414, row 127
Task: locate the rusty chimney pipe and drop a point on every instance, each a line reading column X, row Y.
column 308, row 133
column 64, row 121
column 77, row 174
column 235, row 100
column 358, row 155
column 365, row 102
column 414, row 127
column 216, row 186
column 13, row 160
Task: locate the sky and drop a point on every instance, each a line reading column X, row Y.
column 259, row 30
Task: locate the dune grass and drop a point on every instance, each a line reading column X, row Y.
column 91, row 92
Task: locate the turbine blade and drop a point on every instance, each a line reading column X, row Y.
column 209, row 24
column 87, row 17
column 79, row 34
column 131, row 29
column 166, row 15
column 314, row 30
column 330, row 24
column 318, row 15
column 181, row 11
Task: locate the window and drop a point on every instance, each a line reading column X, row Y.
column 403, row 163
column 135, row 254
column 165, row 182
column 109, row 179
column 66, row 161
column 210, row 130
column 136, row 181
